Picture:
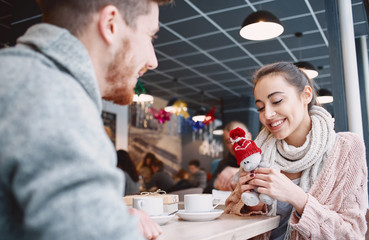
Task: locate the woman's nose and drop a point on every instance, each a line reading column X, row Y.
column 269, row 113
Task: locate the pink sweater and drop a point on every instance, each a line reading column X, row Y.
column 338, row 199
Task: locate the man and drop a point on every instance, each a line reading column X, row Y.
column 160, row 179
column 57, row 165
column 223, row 176
column 197, row 176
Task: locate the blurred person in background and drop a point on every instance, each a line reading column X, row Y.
column 197, row 175
column 223, row 176
column 132, row 184
column 181, row 181
column 161, row 179
column 144, row 167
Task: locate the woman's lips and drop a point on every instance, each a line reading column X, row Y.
column 275, row 125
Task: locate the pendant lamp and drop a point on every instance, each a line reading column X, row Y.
column 324, row 96
column 307, row 68
column 261, row 25
column 169, row 107
column 218, row 130
column 199, row 115
column 143, row 97
column 141, row 93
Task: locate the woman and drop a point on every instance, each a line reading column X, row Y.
column 144, row 167
column 321, row 184
column 124, row 162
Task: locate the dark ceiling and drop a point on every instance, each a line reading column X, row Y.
column 202, row 57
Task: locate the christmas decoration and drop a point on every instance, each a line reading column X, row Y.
column 209, row 117
column 139, row 88
column 196, row 126
column 162, row 116
column 180, row 109
column 210, row 146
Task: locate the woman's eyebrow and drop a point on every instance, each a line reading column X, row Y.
column 269, row 96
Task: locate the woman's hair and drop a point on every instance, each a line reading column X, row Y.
column 125, row 163
column 75, row 15
column 291, row 73
column 151, row 156
column 181, row 174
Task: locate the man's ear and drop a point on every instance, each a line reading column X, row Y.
column 108, row 23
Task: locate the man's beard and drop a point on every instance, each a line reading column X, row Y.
column 119, row 77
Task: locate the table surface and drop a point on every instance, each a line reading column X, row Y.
column 225, row 227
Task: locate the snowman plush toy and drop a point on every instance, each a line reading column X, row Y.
column 248, row 156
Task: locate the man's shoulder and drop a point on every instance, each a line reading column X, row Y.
column 21, row 54
column 228, row 162
column 200, row 172
column 21, row 64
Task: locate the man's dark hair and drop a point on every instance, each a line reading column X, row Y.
column 75, row 15
column 194, row 162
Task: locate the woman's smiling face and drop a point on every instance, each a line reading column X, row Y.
column 282, row 109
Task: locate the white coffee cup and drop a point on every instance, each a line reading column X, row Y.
column 198, row 202
column 153, row 206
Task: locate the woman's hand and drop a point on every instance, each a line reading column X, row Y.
column 278, row 186
column 245, row 186
column 244, row 179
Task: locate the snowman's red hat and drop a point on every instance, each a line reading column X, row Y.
column 242, row 147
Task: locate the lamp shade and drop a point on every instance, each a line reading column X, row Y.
column 324, row 96
column 143, row 98
column 169, row 107
column 308, row 69
column 218, row 130
column 261, row 25
column 199, row 115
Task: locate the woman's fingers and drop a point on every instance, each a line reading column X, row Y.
column 247, row 187
column 245, row 179
column 266, row 171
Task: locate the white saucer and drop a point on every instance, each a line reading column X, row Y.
column 162, row 219
column 199, row 216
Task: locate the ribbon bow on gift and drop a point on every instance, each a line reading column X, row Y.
column 159, row 191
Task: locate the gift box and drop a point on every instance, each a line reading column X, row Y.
column 170, row 201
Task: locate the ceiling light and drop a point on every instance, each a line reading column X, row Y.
column 218, row 130
column 169, row 107
column 143, row 98
column 308, row 69
column 324, row 96
column 261, row 25
column 199, row 115
column 198, row 118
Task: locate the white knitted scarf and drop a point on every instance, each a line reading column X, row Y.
column 308, row 159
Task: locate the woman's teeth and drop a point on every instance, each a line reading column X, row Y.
column 276, row 123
